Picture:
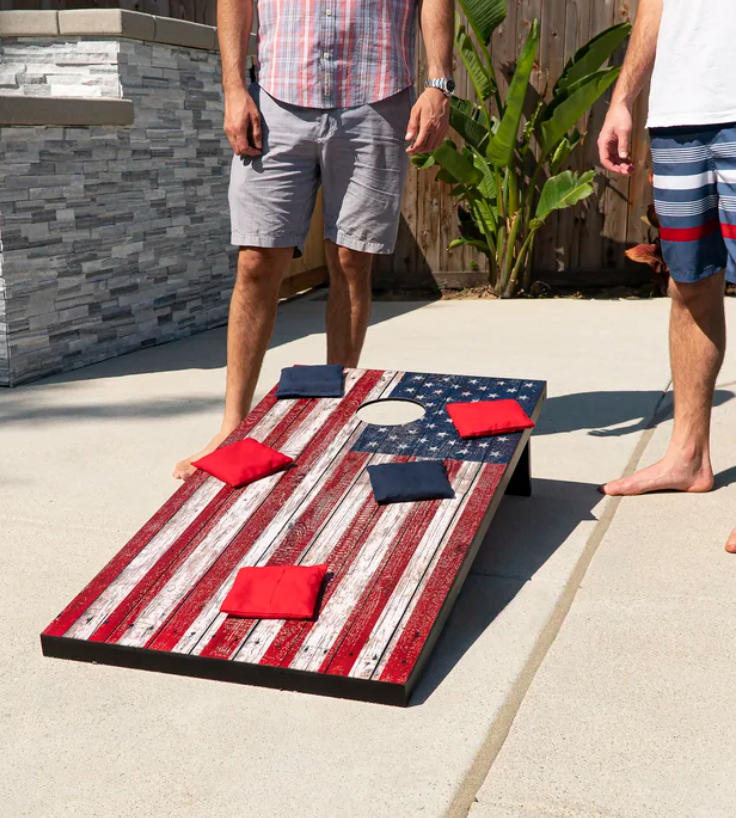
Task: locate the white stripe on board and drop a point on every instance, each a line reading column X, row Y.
column 343, row 601
column 139, row 566
column 688, row 182
column 260, row 639
column 210, row 619
column 226, row 527
column 408, row 590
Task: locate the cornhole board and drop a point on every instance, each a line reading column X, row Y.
column 394, row 571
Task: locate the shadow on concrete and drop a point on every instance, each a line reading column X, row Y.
column 524, row 534
column 609, row 414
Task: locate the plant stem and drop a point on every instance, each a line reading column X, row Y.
column 525, row 248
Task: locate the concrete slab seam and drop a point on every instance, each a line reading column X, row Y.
column 465, row 795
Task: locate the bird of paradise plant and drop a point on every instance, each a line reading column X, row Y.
column 507, row 179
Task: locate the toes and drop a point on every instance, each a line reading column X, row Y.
column 731, row 544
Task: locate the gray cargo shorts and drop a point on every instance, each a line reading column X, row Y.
column 358, row 156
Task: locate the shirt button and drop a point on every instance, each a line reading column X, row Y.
column 327, row 55
column 329, row 12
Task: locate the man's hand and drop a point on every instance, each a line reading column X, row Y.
column 429, row 121
column 243, row 123
column 614, row 143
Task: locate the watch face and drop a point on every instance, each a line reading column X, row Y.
column 450, row 86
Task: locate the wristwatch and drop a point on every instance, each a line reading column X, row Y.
column 445, row 84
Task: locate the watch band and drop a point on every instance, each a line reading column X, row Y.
column 444, row 84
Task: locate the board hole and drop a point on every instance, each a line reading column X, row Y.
column 391, row 412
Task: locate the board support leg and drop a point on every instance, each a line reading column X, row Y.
column 520, row 483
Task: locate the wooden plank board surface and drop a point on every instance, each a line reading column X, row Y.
column 393, row 571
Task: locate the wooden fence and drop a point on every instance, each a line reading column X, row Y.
column 581, row 246
column 584, row 245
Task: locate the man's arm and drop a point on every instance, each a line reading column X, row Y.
column 430, row 117
column 614, row 143
column 242, row 119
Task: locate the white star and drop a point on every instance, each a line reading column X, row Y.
column 445, row 380
column 431, row 425
column 417, row 377
column 393, row 437
column 484, row 445
column 412, row 431
column 456, row 386
column 502, row 439
column 500, row 383
column 429, row 404
column 495, row 454
column 474, row 381
column 466, row 393
column 423, row 439
column 411, row 390
column 484, row 388
column 433, row 448
column 493, row 395
column 421, row 397
column 442, row 434
column 463, row 451
column 448, row 420
column 383, row 429
column 529, row 385
column 429, row 384
column 438, row 391
column 403, row 446
column 525, row 397
column 373, row 443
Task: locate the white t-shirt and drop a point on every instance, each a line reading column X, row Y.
column 694, row 79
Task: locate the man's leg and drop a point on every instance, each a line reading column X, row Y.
column 252, row 317
column 348, row 304
column 697, row 346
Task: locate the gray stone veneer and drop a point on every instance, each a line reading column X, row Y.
column 111, row 238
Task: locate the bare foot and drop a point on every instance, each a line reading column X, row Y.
column 731, row 544
column 184, row 468
column 663, row 476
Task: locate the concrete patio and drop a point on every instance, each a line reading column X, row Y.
column 557, row 690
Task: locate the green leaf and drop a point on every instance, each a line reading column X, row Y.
column 593, row 54
column 456, row 164
column 480, row 245
column 471, row 60
column 502, row 144
column 487, row 184
column 558, row 120
column 484, row 16
column 423, row 160
column 563, row 151
column 464, row 118
column 563, row 190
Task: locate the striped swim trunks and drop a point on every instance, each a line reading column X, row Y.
column 695, row 199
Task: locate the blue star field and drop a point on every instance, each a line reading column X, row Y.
column 434, row 435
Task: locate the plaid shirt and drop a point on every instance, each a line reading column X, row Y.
column 335, row 53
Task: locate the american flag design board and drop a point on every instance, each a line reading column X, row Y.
column 393, row 571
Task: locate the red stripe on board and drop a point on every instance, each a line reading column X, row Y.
column 291, row 637
column 118, row 563
column 728, row 230
column 234, row 630
column 688, row 233
column 424, row 615
column 367, row 611
column 150, row 585
column 198, row 597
